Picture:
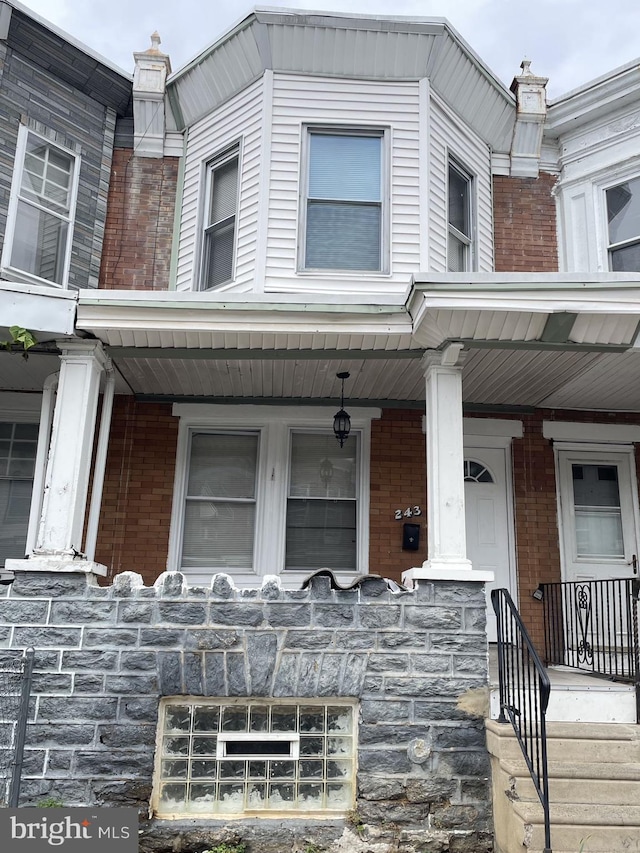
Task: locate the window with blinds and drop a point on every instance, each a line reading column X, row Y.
column 344, row 201
column 460, row 224
column 220, row 502
column 322, row 503
column 220, row 224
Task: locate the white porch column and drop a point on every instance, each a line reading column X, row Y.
column 446, row 534
column 59, row 538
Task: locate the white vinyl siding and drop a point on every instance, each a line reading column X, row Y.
column 237, row 122
column 449, row 139
column 346, row 104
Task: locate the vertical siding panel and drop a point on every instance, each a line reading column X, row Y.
column 449, row 136
column 238, row 119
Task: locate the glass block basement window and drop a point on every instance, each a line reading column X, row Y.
column 224, row 757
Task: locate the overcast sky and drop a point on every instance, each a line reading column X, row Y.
column 569, row 41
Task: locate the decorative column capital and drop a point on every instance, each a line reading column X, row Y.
column 452, row 355
column 77, row 349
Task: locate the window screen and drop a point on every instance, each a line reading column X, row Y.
column 322, row 503
column 220, row 506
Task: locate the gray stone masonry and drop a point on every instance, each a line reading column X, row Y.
column 416, row 661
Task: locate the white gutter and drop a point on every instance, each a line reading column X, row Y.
column 100, row 464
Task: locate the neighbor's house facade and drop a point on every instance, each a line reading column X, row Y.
column 318, row 195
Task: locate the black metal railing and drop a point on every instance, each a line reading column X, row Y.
column 524, row 696
column 16, row 675
column 593, row 626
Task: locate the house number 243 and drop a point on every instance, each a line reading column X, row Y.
column 409, row 512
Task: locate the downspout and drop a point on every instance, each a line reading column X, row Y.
column 100, row 464
column 42, row 452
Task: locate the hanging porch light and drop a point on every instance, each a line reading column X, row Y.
column 341, row 419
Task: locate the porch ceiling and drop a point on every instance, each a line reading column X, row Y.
column 491, row 377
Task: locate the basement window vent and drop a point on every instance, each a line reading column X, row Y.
column 238, row 757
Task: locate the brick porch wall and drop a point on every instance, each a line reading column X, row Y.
column 136, row 509
column 136, row 253
column 138, row 488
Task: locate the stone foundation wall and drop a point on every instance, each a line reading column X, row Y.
column 416, row 661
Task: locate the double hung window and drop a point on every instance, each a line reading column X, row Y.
column 220, row 501
column 18, row 443
column 42, row 209
column 219, row 239
column 322, row 503
column 623, row 218
column 277, row 498
column 460, row 220
column 343, row 203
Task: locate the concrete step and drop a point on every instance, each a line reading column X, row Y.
column 592, row 743
column 581, row 790
column 572, row 782
column 599, row 830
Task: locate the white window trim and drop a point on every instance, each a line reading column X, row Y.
column 592, row 454
column 454, row 162
column 608, row 245
column 12, row 213
column 570, row 431
column 382, row 131
column 606, row 180
column 208, row 167
column 275, row 425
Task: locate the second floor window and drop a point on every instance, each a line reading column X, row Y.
column 343, row 206
column 460, row 220
column 220, row 220
column 623, row 217
column 42, row 209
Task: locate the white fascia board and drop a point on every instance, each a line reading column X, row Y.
column 606, row 95
column 549, row 293
column 39, row 309
column 235, row 312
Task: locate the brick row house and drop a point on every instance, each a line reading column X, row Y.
column 321, row 214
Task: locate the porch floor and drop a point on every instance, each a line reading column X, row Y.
column 575, row 696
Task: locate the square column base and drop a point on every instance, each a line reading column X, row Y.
column 55, row 563
column 440, row 571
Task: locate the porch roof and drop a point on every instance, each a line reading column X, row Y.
column 535, row 340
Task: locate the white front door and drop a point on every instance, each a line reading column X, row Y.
column 489, row 521
column 598, row 514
